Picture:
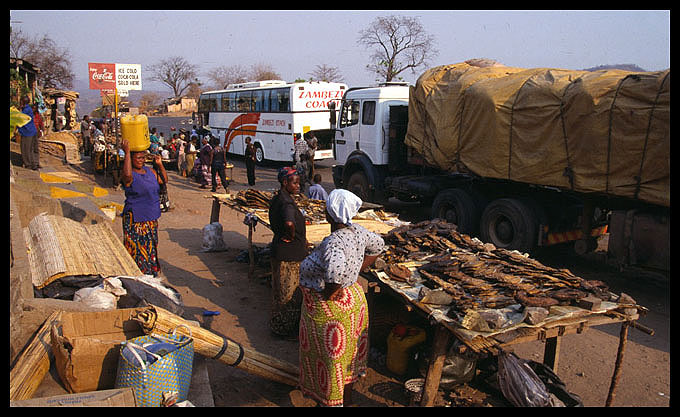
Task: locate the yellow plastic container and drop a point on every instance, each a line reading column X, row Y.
column 135, row 129
column 401, row 340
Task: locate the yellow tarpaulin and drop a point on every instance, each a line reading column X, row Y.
column 605, row 132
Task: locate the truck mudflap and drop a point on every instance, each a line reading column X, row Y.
column 547, row 238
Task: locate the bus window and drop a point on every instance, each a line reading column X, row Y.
column 243, row 101
column 368, row 116
column 257, row 101
column 226, row 101
column 265, row 100
column 280, row 100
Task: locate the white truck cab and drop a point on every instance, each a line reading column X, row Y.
column 363, row 121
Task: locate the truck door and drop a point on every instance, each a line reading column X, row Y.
column 370, row 138
column 347, row 136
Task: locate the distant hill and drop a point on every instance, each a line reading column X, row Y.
column 625, row 67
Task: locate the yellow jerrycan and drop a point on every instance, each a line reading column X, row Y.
column 400, row 342
column 135, row 129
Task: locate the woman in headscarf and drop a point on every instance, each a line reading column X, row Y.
column 334, row 319
column 289, row 247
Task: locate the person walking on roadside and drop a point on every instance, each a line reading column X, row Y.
column 85, row 135
column 181, row 157
column 29, row 137
column 40, row 129
column 313, row 145
column 142, row 208
column 250, row 161
column 190, row 156
column 333, row 336
column 218, row 160
column 288, row 247
column 204, row 155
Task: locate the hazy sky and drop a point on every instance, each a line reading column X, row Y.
column 294, row 42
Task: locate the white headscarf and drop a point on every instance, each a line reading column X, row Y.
column 342, row 205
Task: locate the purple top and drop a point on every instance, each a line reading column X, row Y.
column 142, row 197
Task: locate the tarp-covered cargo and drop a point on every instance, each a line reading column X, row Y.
column 605, row 132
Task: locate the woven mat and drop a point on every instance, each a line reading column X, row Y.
column 59, row 247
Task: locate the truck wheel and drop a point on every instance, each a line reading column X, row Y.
column 358, row 184
column 457, row 207
column 510, row 224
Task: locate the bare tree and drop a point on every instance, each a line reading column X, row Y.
column 148, row 100
column 176, row 72
column 224, row 75
column 262, row 72
column 399, row 43
column 324, row 72
column 54, row 62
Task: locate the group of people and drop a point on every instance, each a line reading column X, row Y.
column 316, row 294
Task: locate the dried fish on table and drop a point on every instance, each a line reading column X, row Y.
column 398, row 272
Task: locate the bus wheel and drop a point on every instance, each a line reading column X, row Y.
column 457, row 207
column 358, row 184
column 509, row 224
column 259, row 154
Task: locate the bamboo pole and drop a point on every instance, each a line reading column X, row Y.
column 154, row 319
column 33, row 363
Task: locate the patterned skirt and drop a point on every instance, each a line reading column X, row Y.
column 141, row 241
column 333, row 343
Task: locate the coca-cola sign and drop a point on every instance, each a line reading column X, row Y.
column 102, row 76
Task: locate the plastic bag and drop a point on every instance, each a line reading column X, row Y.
column 520, row 384
column 104, row 296
column 212, row 238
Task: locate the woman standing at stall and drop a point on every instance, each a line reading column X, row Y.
column 334, row 319
column 142, row 208
column 288, row 248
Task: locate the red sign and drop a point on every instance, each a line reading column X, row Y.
column 102, row 76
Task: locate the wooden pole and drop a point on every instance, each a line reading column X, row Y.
column 434, row 371
column 623, row 336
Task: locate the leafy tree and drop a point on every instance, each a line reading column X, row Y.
column 176, row 72
column 398, row 43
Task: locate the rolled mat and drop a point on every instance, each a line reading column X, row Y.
column 154, row 319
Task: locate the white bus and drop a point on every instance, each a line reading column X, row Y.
column 274, row 114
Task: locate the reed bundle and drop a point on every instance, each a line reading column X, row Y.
column 154, row 319
column 33, row 364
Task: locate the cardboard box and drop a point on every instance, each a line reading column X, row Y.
column 86, row 347
column 123, row 397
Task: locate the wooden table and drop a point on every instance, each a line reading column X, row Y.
column 548, row 331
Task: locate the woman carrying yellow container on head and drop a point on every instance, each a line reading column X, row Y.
column 142, row 200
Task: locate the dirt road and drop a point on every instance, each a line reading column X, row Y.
column 216, row 281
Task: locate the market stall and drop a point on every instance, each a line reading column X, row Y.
column 254, row 204
column 491, row 298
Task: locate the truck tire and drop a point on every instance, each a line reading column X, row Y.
column 510, row 224
column 457, row 207
column 358, row 184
